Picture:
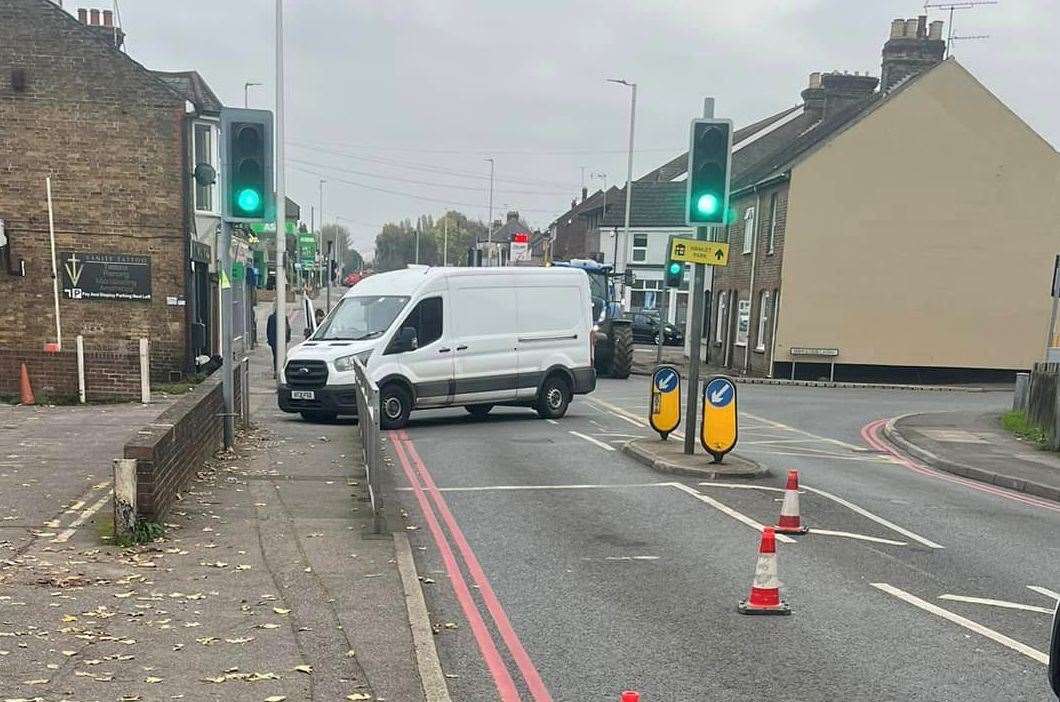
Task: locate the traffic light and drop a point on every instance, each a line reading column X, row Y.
column 246, row 156
column 674, row 274
column 708, row 171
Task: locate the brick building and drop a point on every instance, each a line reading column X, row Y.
column 111, row 136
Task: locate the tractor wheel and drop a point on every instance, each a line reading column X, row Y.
column 622, row 355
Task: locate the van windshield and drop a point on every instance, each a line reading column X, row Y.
column 356, row 318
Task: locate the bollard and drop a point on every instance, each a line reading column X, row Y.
column 124, row 497
column 1022, row 392
column 145, row 372
column 81, row 397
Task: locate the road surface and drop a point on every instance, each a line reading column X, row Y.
column 556, row 567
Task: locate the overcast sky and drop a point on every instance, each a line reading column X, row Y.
column 383, row 92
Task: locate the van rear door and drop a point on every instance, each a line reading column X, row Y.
column 484, row 338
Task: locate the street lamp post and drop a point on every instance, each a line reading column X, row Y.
column 489, row 236
column 246, row 93
column 629, row 159
column 281, row 206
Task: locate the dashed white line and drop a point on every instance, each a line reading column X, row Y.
column 978, row 628
column 1044, row 591
column 591, row 440
column 552, row 421
column 725, row 509
column 995, row 603
column 874, row 517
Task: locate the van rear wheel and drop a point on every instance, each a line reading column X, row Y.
column 478, row 411
column 553, row 398
column 395, row 404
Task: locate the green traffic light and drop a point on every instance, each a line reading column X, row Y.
column 708, row 204
column 248, row 199
column 675, row 268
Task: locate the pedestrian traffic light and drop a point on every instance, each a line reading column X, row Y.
column 246, row 155
column 674, row 273
column 708, row 171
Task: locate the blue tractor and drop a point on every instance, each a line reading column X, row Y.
column 613, row 342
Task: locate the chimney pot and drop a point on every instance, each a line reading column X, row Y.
column 910, row 28
column 921, row 27
column 108, row 18
column 82, row 15
column 585, row 193
column 815, row 80
column 935, row 30
column 93, row 15
column 897, row 28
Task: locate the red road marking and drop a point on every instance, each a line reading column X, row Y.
column 511, row 639
column 870, row 433
column 501, row 677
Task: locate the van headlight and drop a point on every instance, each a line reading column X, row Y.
column 345, row 363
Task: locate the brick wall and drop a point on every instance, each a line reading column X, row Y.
column 110, row 137
column 170, row 450
column 112, row 374
column 735, row 279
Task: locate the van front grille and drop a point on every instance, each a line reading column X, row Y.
column 306, row 374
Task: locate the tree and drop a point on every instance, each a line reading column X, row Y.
column 395, row 245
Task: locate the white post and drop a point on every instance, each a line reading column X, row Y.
column 55, row 272
column 281, row 205
column 124, row 497
column 145, row 372
column 81, row 369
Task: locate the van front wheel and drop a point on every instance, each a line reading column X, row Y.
column 553, row 398
column 395, row 404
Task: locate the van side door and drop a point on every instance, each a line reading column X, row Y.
column 429, row 365
column 553, row 329
column 484, row 338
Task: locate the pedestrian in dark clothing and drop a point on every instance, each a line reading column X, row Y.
column 270, row 334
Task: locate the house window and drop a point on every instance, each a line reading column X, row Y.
column 771, row 241
column 743, row 322
column 640, row 248
column 748, row 229
column 723, row 308
column 645, row 295
column 764, row 313
column 204, row 154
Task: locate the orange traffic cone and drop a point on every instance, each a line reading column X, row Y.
column 790, row 521
column 765, row 589
column 25, row 388
column 630, row 696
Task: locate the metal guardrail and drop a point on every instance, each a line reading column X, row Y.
column 368, row 424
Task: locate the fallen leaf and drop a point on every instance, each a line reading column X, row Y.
column 358, row 696
column 281, row 610
column 267, row 626
column 276, row 698
column 307, row 669
column 151, row 680
column 37, row 681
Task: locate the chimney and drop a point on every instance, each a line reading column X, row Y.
column 513, row 216
column 828, row 93
column 912, row 48
column 585, row 193
column 94, row 17
column 108, row 18
column 82, row 15
column 105, row 27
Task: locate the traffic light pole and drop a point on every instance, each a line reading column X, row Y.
column 696, row 328
column 664, row 313
column 226, row 333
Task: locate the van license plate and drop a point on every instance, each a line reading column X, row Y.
column 302, row 395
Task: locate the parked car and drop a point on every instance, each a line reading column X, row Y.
column 439, row 337
column 646, row 330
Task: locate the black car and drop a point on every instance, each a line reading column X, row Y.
column 646, row 330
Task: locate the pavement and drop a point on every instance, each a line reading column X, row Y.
column 564, row 569
column 975, row 445
column 266, row 585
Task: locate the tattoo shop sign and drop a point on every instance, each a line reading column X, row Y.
column 93, row 276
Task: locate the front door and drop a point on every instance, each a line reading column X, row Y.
column 430, row 365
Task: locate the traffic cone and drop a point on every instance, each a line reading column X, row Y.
column 790, row 521
column 630, row 696
column 25, row 388
column 765, row 589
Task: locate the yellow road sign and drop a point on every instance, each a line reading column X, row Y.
column 719, row 431
column 665, row 410
column 709, row 253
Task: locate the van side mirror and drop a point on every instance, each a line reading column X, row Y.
column 405, row 340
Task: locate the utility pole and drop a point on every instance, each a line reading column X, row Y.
column 320, row 234
column 417, row 241
column 227, row 380
column 629, row 161
column 246, row 93
column 327, row 299
column 281, row 206
column 445, row 242
column 696, row 328
column 489, row 236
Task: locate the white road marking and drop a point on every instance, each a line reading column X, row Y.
column 829, row 456
column 874, row 517
column 1044, row 591
column 634, row 422
column 615, row 409
column 591, row 440
column 552, row 421
column 861, row 537
column 738, row 486
column 777, row 441
column 995, row 603
column 725, row 509
column 621, row 558
column 785, row 427
column 487, row 488
column 65, row 534
column 74, row 507
column 1000, row 638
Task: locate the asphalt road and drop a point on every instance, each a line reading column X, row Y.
column 570, row 572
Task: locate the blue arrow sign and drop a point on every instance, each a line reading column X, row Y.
column 720, row 392
column 666, row 380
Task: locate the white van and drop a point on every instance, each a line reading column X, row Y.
column 438, row 337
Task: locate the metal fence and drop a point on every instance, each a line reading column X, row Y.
column 368, row 423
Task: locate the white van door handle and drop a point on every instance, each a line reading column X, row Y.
column 461, row 348
column 445, row 350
